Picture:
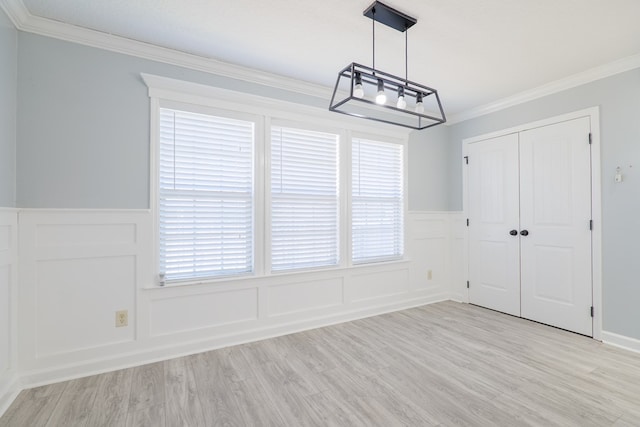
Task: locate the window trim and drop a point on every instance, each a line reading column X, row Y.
column 258, row 193
column 166, row 92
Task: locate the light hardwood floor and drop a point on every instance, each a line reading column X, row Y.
column 438, row 365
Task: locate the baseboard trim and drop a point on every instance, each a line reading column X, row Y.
column 9, row 390
column 621, row 341
column 37, row 378
column 458, row 297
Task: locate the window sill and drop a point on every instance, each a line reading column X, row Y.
column 270, row 276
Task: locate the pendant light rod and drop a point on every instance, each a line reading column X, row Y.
column 406, row 55
column 395, row 19
column 373, row 37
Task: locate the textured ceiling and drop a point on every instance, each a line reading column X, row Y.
column 473, row 51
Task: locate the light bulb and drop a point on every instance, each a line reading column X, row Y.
column 358, row 90
column 419, row 105
column 381, row 98
column 401, row 104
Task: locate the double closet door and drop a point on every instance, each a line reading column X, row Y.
column 529, row 207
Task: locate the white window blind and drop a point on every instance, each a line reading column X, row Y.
column 205, row 195
column 304, row 199
column 377, row 201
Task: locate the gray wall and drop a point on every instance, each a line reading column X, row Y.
column 83, row 123
column 8, row 80
column 428, row 168
column 83, row 129
column 619, row 100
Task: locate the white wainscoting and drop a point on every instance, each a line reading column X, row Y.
column 8, row 304
column 78, row 267
column 437, row 241
column 459, row 254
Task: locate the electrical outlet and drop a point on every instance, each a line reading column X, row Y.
column 429, row 275
column 122, row 318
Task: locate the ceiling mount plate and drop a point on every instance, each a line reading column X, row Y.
column 389, row 16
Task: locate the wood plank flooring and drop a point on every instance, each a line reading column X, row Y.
column 438, row 365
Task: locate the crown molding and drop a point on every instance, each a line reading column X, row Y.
column 24, row 21
column 588, row 76
column 16, row 11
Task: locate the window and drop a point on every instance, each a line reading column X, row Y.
column 377, row 201
column 205, row 195
column 245, row 187
column 304, row 199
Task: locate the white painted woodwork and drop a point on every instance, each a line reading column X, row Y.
column 203, row 310
column 621, row 341
column 372, row 285
column 77, row 269
column 97, row 286
column 8, row 305
column 458, row 257
column 430, row 247
column 80, row 266
column 291, row 298
column 555, row 207
column 5, row 317
column 494, row 258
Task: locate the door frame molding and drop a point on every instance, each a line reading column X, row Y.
column 596, row 197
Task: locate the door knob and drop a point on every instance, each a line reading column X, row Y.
column 524, row 232
column 514, row 232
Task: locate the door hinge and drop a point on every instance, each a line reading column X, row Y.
column 591, row 224
column 466, row 160
column 467, row 222
column 590, row 138
column 591, row 311
column 467, row 284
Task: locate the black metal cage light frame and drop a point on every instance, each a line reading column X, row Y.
column 349, row 93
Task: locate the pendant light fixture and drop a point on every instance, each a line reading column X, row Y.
column 363, row 91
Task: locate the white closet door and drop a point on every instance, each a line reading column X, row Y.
column 555, row 210
column 494, row 265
